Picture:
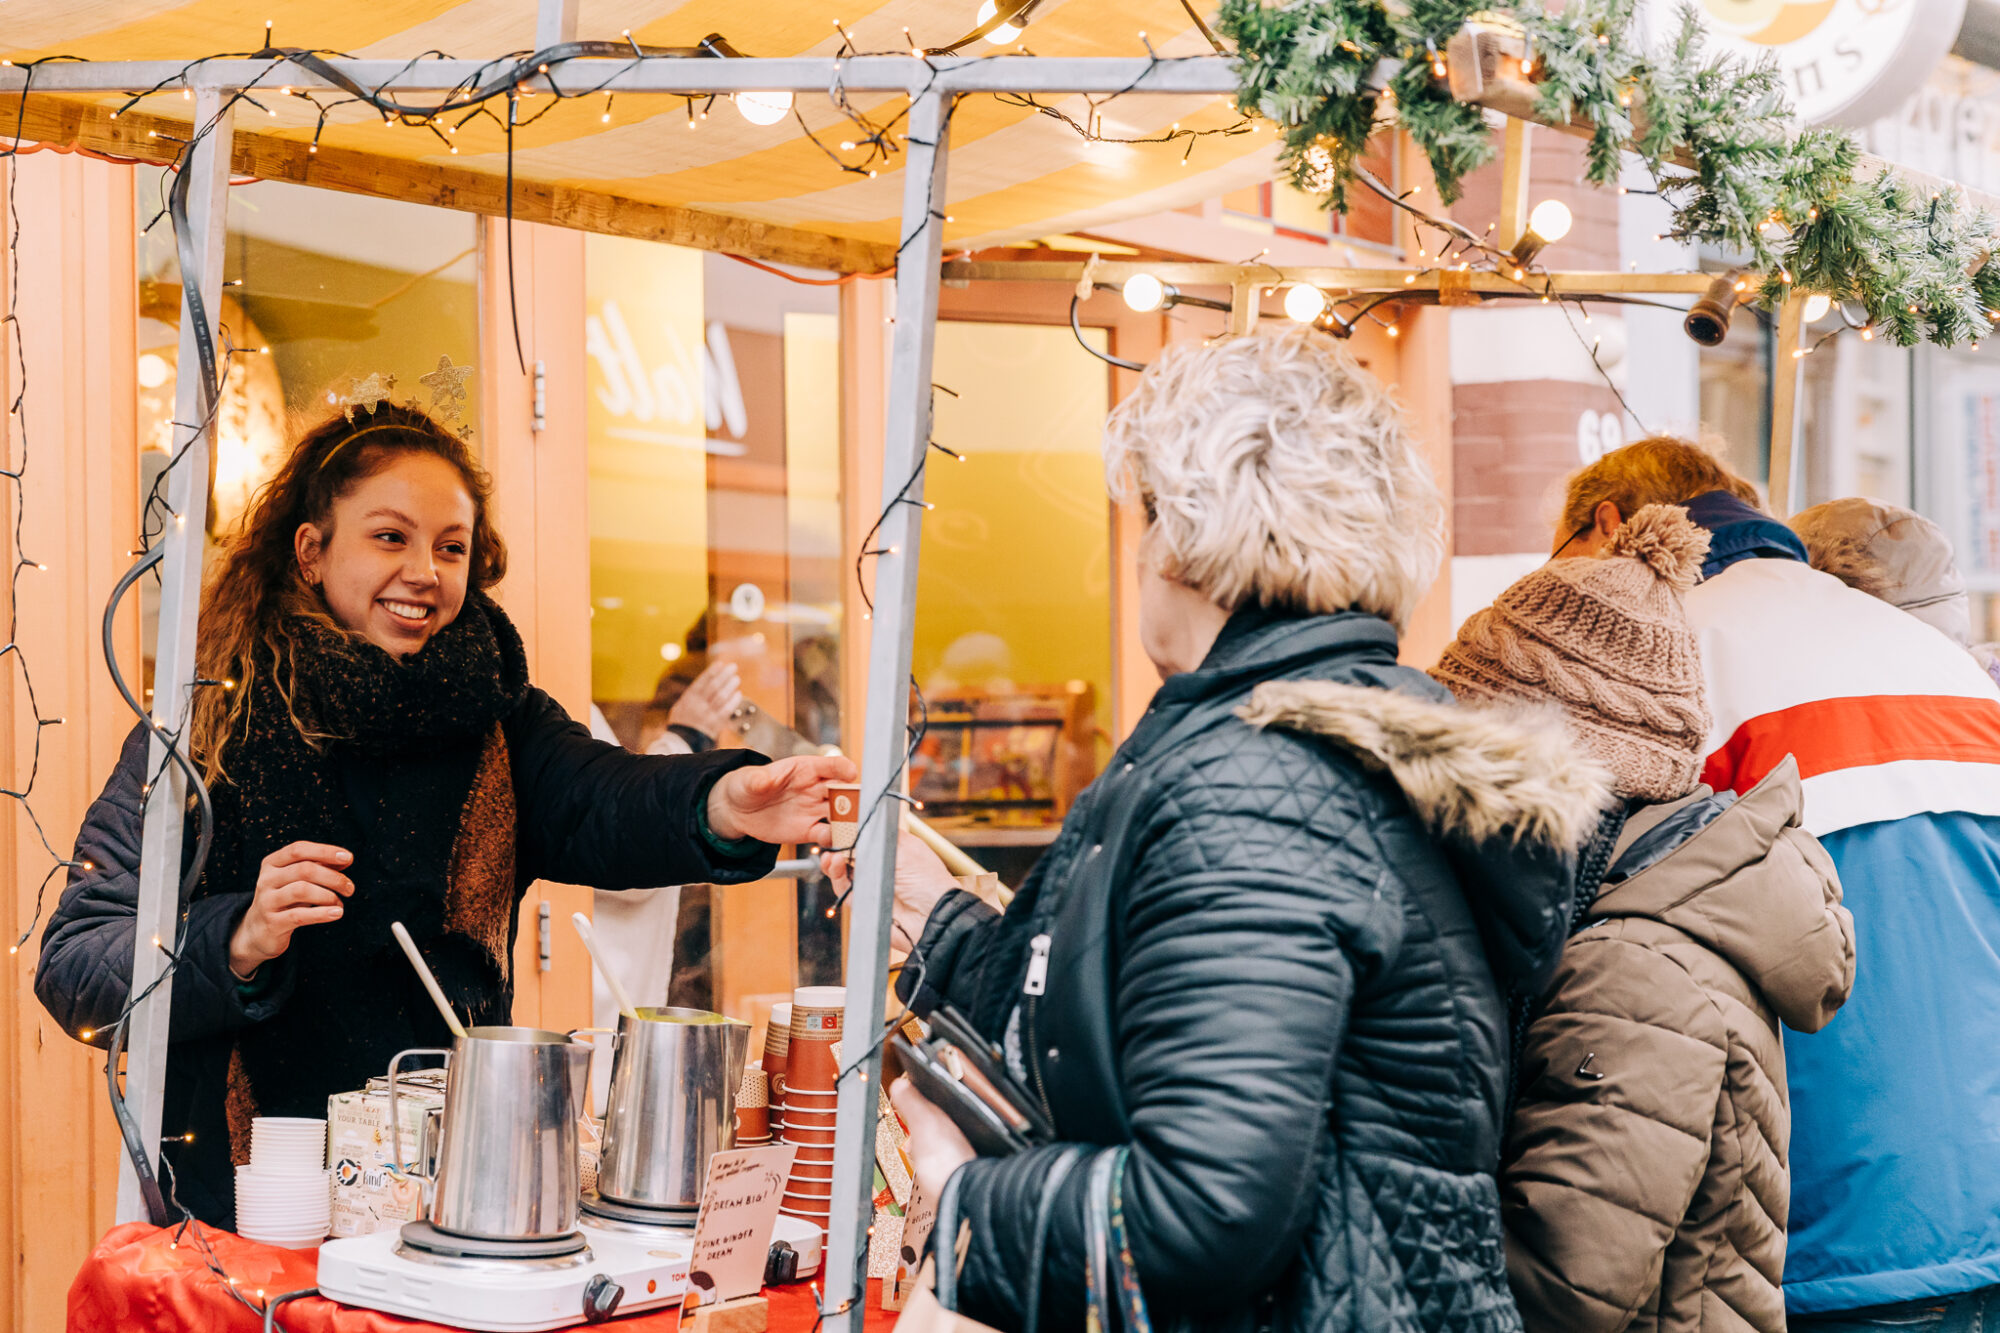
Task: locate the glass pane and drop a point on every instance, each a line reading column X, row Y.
column 714, row 473
column 1013, row 628
column 324, row 289
column 1294, row 208
column 1736, row 397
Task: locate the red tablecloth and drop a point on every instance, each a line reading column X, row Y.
column 140, row 1279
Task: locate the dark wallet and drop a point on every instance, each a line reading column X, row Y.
column 966, row 1077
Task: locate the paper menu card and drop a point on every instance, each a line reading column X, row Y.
column 732, row 1233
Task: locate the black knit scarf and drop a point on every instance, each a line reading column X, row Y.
column 407, row 771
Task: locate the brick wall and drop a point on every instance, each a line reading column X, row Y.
column 1513, row 445
column 1515, row 442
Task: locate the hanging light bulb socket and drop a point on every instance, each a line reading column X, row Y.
column 1143, row 292
column 1707, row 319
column 1549, row 222
column 1000, row 22
column 759, row 107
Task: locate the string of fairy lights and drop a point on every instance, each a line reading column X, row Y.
column 15, row 472
column 870, row 145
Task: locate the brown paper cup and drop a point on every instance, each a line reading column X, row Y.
column 843, row 817
column 753, row 1122
column 812, row 1119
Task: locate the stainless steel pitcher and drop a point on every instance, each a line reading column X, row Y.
column 674, row 1076
column 507, row 1167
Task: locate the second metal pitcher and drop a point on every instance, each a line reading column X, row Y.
column 672, row 1104
column 507, row 1167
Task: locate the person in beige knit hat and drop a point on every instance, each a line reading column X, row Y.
column 1609, row 640
column 1644, row 1181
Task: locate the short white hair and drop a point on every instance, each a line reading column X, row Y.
column 1274, row 469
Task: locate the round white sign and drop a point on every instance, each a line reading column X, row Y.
column 1845, row 62
column 747, row 602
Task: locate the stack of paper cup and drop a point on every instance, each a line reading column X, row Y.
column 810, row 1070
column 284, row 1195
column 753, row 1109
column 777, row 1045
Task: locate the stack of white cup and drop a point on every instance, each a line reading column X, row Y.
column 284, row 1196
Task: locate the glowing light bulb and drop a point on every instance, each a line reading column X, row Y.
column 1550, row 220
column 1143, row 292
column 761, row 108
column 1001, row 35
column 1304, row 303
column 1817, row 307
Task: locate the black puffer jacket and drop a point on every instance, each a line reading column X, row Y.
column 586, row 813
column 1268, row 971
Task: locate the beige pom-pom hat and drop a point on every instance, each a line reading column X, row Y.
column 1606, row 637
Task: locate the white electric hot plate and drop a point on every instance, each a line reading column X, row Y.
column 504, row 1295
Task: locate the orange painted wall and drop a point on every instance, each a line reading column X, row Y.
column 78, row 312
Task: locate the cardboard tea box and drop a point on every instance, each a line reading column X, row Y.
column 374, row 1198
column 371, row 1191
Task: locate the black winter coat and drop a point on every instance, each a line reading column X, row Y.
column 585, row 813
column 1278, row 985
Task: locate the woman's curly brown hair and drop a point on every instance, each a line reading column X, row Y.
column 258, row 593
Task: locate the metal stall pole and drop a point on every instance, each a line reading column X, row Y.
column 887, row 724
column 173, row 671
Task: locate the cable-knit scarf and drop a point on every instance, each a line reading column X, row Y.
column 409, row 771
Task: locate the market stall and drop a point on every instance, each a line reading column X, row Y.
column 1913, row 266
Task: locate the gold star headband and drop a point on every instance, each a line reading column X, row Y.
column 448, row 398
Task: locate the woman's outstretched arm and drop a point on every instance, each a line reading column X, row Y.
column 590, row 812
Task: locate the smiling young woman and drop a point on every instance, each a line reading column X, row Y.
column 382, row 756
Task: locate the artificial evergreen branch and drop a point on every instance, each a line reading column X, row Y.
column 1713, row 130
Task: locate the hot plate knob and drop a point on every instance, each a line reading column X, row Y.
column 600, row 1298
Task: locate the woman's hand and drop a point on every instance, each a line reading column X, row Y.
column 937, row 1147
column 298, row 885
column 921, row 879
column 707, row 705
column 781, row 802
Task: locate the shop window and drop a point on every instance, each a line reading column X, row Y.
column 1962, row 455
column 1735, row 395
column 1013, row 625
column 322, row 289
column 713, row 418
column 1284, row 208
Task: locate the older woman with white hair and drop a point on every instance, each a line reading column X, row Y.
column 1268, row 951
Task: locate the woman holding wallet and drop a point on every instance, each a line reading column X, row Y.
column 1267, row 952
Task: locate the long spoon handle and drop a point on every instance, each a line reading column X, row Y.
column 424, row 974
column 589, row 938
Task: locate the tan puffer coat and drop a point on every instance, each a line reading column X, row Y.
column 1645, row 1183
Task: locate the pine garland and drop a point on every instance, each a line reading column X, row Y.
column 1711, row 128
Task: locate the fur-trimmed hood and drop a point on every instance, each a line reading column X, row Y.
column 1503, row 789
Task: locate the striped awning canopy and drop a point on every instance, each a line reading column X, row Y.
column 656, row 166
